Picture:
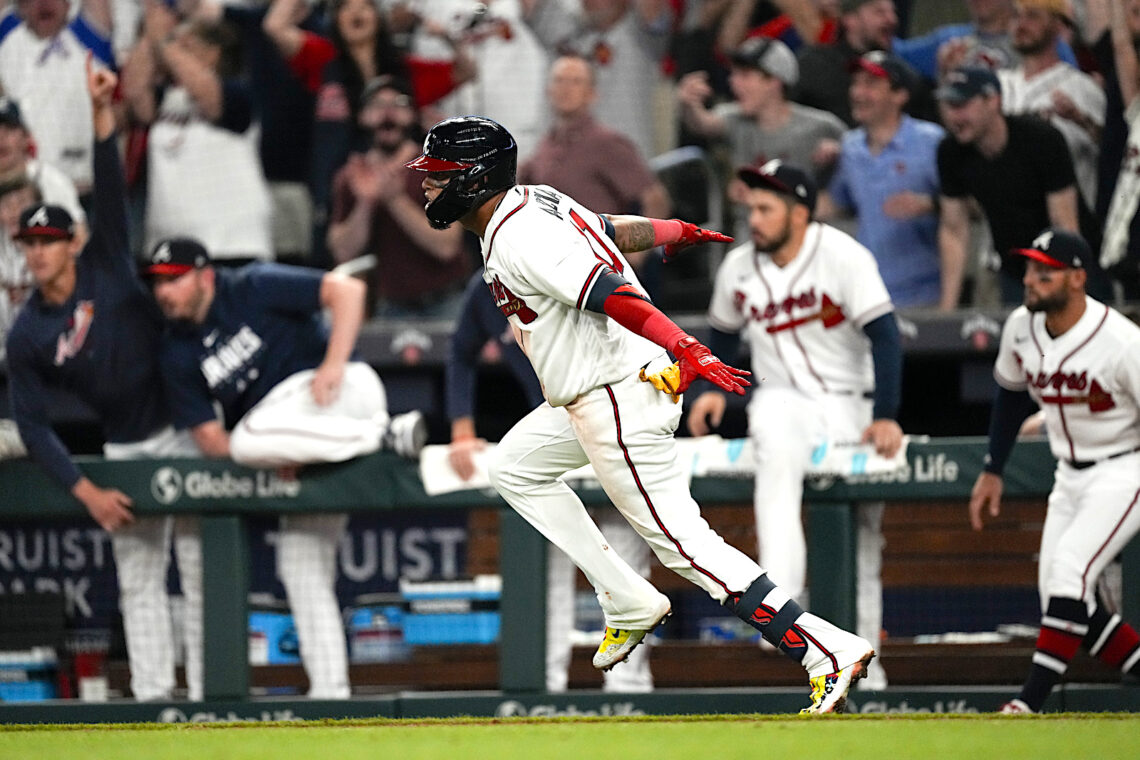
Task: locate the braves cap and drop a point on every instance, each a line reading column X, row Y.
column 1058, row 248
column 771, row 56
column 10, row 113
column 783, row 178
column 44, row 221
column 886, row 66
column 176, row 256
column 967, row 82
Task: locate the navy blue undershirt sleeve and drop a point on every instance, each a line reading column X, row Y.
column 1009, row 410
column 604, row 287
column 28, row 394
column 886, row 354
column 463, row 352
column 611, row 233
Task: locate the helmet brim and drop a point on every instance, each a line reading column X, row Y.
column 427, row 163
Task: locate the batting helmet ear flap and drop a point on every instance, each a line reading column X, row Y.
column 483, row 156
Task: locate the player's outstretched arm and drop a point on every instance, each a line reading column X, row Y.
column 623, row 303
column 639, row 233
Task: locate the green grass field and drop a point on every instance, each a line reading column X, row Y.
column 1102, row 736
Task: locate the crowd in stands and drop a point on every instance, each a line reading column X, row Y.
column 277, row 131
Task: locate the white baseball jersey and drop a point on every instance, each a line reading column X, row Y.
column 543, row 252
column 1087, row 380
column 47, row 78
column 1035, row 96
column 206, row 181
column 804, row 321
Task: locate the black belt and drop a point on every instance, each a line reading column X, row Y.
column 869, row 395
column 1084, row 465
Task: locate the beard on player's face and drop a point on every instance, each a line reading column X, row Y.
column 1048, row 302
column 772, row 243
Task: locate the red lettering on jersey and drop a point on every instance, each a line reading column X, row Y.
column 1098, row 399
column 71, row 342
column 1057, row 380
column 509, row 303
column 830, row 313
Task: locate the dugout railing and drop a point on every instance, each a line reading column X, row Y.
column 937, row 470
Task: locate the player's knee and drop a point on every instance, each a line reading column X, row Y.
column 499, row 471
column 1066, row 579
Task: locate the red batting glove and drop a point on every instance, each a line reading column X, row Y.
column 691, row 234
column 695, row 360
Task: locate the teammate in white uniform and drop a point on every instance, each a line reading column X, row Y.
column 1079, row 360
column 591, row 336
column 823, row 337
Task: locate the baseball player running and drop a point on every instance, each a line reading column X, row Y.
column 254, row 341
column 593, row 339
column 823, row 337
column 91, row 328
column 1079, row 360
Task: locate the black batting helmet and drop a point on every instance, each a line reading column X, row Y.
column 483, row 155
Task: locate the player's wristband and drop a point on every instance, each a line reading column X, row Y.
column 666, row 231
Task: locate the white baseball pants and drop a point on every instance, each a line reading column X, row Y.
column 1093, row 514
column 142, row 554
column 634, row 674
column 785, row 427
column 625, row 431
column 287, row 427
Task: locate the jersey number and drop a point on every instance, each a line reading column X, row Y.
column 606, row 256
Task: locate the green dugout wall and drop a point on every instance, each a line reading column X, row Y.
column 225, row 494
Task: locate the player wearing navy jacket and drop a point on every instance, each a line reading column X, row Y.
column 254, row 341
column 91, row 328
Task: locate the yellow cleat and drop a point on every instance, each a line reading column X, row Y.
column 619, row 642
column 829, row 692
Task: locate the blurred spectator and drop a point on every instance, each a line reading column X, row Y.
column 983, row 41
column 1046, row 86
column 508, row 86
column 1120, row 253
column 16, row 194
column 482, row 326
column 378, row 210
column 793, row 22
column 824, row 80
column 336, row 68
column 42, row 56
column 1017, row 168
column 16, row 162
column 284, row 108
column 204, row 176
column 888, row 177
column 626, row 40
column 592, row 163
column 761, row 124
